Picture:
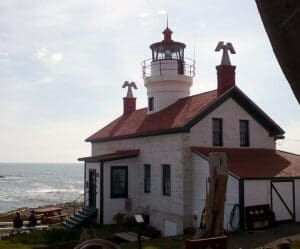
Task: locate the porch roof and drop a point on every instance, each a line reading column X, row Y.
column 119, row 154
column 257, row 163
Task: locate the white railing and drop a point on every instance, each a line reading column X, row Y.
column 186, row 67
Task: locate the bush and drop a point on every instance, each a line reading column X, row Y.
column 151, row 232
column 119, row 218
column 130, row 221
column 189, row 230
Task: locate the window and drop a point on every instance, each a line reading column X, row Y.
column 166, row 179
column 151, row 104
column 244, row 133
column 217, row 132
column 147, row 178
column 119, row 182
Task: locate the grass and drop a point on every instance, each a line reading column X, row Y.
column 39, row 238
column 55, row 236
column 295, row 245
column 59, row 236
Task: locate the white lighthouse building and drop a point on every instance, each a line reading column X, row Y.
column 154, row 160
column 168, row 75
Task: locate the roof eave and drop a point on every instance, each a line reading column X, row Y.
column 142, row 134
column 111, row 158
column 243, row 100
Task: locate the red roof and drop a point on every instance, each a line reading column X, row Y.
column 119, row 154
column 180, row 117
column 257, row 163
column 139, row 123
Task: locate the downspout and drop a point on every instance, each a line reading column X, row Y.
column 242, row 203
column 84, row 183
column 101, row 192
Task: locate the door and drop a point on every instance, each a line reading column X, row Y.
column 283, row 199
column 92, row 188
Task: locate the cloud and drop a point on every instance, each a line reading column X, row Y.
column 56, row 57
column 44, row 54
column 145, row 14
column 161, row 12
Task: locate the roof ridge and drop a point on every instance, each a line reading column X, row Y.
column 182, row 99
column 198, row 94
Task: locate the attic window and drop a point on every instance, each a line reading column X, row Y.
column 217, row 132
column 244, row 133
column 151, row 104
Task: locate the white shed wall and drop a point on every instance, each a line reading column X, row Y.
column 285, row 189
column 200, row 185
column 231, row 113
column 257, row 192
column 232, row 199
column 200, row 190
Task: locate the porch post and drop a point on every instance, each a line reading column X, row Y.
column 84, row 184
column 101, row 192
column 242, row 203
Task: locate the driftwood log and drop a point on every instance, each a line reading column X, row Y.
column 218, row 174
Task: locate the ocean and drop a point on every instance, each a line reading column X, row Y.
column 36, row 184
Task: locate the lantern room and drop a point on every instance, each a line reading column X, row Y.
column 168, row 75
column 167, row 49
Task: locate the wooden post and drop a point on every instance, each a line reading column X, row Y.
column 218, row 174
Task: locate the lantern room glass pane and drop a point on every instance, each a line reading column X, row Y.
column 167, row 52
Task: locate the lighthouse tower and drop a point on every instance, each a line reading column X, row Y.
column 168, row 75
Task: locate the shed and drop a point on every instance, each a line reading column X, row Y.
column 257, row 176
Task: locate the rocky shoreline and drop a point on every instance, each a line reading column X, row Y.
column 68, row 208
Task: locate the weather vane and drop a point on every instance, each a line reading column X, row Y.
column 225, row 57
column 130, row 86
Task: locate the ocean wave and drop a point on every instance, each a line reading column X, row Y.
column 12, row 177
column 38, row 184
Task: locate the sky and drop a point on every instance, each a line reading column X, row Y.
column 63, row 63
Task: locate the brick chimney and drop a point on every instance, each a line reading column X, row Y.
column 225, row 71
column 129, row 101
column 226, row 78
column 129, row 105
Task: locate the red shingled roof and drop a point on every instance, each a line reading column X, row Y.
column 257, row 163
column 171, row 118
column 119, row 154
